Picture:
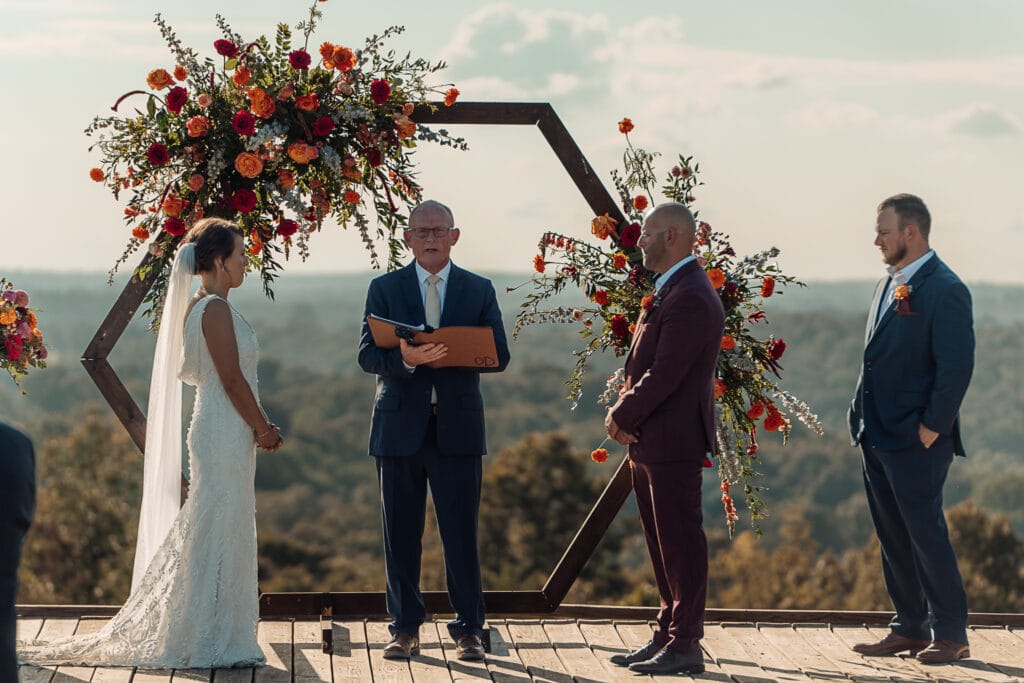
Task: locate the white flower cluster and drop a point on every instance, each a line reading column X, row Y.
column 728, row 453
column 353, row 113
column 556, row 315
column 802, row 411
column 331, row 158
column 614, row 385
column 266, row 133
column 216, row 163
column 293, row 200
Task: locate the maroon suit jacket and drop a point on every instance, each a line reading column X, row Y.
column 668, row 400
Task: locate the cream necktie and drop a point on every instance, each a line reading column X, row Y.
column 432, row 305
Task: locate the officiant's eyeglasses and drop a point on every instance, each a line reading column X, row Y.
column 424, row 233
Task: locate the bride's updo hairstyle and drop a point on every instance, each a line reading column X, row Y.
column 214, row 239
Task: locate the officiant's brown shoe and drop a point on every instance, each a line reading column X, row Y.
column 942, row 651
column 890, row 645
column 402, row 646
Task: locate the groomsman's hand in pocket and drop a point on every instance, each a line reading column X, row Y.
column 926, row 435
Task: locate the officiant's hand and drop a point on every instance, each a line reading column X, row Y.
column 422, row 353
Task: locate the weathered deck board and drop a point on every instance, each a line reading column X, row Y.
column 561, row 650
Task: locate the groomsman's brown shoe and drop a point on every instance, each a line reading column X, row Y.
column 890, row 645
column 943, row 651
column 470, row 648
column 402, row 646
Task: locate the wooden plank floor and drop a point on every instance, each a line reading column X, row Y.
column 558, row 650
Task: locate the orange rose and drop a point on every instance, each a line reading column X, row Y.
column 173, row 205
column 196, row 181
column 717, row 277
column 901, row 292
column 639, row 202
column 8, row 317
column 285, row 178
column 198, row 126
column 619, row 261
column 647, row 303
column 301, row 153
column 602, row 226
column 599, row 455
column 97, row 174
column 451, row 96
column 728, row 343
column 408, row 108
column 538, row 263
column 756, row 410
column 767, row 286
column 327, row 54
column 351, row 196
column 255, row 243
column 352, row 172
column 140, row 233
column 719, row 388
column 307, row 102
column 405, row 126
column 248, row 165
column 343, row 58
column 158, row 79
column 30, row 318
column 625, row 125
column 180, row 72
column 773, row 421
column 241, row 76
column 600, row 297
column 261, row 104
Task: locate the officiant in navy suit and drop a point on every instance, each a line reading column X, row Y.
column 917, row 365
column 428, row 427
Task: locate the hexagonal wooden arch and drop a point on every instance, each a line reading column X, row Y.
column 582, row 546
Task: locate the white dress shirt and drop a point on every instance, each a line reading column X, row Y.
column 664, row 277
column 901, row 277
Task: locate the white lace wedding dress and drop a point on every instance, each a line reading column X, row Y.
column 197, row 603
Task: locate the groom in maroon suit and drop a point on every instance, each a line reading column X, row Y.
column 666, row 415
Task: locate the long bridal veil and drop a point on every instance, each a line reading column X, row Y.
column 161, row 482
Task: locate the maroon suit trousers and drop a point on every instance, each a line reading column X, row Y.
column 669, row 497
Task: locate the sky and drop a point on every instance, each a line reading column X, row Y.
column 803, row 115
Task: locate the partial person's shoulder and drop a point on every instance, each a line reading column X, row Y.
column 11, row 438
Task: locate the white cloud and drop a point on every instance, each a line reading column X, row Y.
column 826, row 115
column 982, row 121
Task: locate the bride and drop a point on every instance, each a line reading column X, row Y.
column 194, row 601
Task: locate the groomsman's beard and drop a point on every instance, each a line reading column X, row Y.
column 891, row 258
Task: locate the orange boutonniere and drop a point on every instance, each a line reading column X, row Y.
column 902, row 297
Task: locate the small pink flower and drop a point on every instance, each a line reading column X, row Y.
column 43, row 353
column 9, row 295
column 20, row 297
column 24, row 330
column 204, row 100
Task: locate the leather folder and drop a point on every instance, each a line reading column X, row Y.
column 468, row 347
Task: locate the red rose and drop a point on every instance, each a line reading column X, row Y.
column 599, row 455
column 756, row 410
column 767, row 286
column 287, row 227
column 225, row 47
column 620, row 326
column 601, row 297
column 243, row 200
column 157, row 154
column 176, row 99
column 174, row 226
column 630, row 235
column 380, row 91
column 243, row 123
column 299, row 60
column 777, row 348
column 373, row 156
column 323, row 126
column 14, row 346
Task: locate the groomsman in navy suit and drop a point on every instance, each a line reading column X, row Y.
column 17, row 502
column 428, row 427
column 917, row 365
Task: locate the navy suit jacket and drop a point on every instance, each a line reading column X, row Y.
column 401, row 409
column 916, row 367
column 668, row 400
column 17, row 503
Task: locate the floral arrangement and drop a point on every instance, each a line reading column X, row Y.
column 611, row 275
column 274, row 135
column 22, row 345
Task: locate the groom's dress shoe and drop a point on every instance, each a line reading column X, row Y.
column 470, row 648
column 641, row 655
column 671, row 662
column 402, row 646
column 942, row 651
column 890, row 645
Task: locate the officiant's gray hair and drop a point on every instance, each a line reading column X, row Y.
column 432, row 203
